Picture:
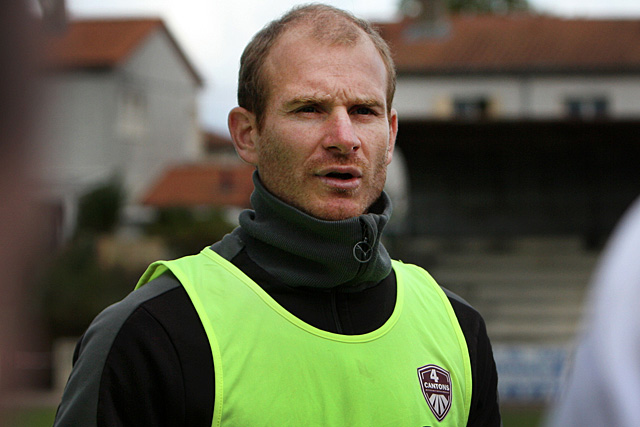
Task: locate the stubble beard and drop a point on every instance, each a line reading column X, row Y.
column 283, row 182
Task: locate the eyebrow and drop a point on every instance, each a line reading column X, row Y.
column 303, row 100
column 315, row 100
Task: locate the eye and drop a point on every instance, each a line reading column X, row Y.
column 363, row 111
column 307, row 109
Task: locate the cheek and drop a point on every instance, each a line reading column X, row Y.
column 275, row 156
column 292, row 146
column 379, row 150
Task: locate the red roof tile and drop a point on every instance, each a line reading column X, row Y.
column 105, row 43
column 201, row 185
column 517, row 42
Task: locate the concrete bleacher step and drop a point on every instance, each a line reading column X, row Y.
column 546, row 262
column 521, row 279
column 532, row 312
column 547, row 332
column 531, row 292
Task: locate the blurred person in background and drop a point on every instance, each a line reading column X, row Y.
column 299, row 317
column 20, row 229
column 603, row 387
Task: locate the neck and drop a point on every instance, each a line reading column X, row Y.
column 303, row 251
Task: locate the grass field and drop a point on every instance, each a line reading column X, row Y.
column 29, row 417
column 522, row 416
column 43, row 417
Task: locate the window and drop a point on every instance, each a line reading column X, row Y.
column 476, row 108
column 132, row 108
column 586, row 107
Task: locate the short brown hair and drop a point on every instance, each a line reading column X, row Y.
column 328, row 24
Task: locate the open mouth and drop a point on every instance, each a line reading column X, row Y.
column 341, row 177
column 337, row 175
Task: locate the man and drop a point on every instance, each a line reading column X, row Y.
column 298, row 317
column 604, row 385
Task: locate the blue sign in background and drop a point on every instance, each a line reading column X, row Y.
column 530, row 373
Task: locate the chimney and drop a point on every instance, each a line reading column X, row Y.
column 430, row 19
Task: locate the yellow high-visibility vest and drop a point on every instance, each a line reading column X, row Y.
column 273, row 369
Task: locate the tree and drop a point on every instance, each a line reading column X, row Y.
column 187, row 231
column 414, row 7
column 75, row 286
column 99, row 209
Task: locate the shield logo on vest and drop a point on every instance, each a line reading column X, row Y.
column 436, row 388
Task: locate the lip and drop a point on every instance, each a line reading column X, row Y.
column 340, row 183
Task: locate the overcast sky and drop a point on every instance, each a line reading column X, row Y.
column 213, row 33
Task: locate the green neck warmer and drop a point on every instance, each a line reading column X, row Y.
column 303, row 251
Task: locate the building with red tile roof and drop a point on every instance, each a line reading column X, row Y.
column 219, row 180
column 107, row 44
column 516, row 43
column 517, row 124
column 202, row 184
column 123, row 102
column 516, row 65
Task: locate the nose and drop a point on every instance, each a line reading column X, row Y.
column 341, row 136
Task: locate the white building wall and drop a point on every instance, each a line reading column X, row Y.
column 169, row 131
column 420, row 97
column 78, row 145
column 515, row 97
column 622, row 93
column 130, row 122
column 626, row 97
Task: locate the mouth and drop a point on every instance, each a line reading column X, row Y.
column 342, row 178
column 339, row 175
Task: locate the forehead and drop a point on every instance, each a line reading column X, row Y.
column 301, row 61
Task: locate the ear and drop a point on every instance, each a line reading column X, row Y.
column 244, row 132
column 393, row 132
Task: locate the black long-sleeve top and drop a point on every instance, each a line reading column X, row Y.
column 159, row 369
column 146, row 361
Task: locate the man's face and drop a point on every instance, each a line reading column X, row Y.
column 326, row 138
